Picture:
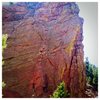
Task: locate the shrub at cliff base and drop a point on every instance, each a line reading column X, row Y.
column 60, row 92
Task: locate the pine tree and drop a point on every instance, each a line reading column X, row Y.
column 91, row 74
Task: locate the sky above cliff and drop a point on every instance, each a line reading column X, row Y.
column 89, row 11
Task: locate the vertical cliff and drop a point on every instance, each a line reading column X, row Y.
column 44, row 48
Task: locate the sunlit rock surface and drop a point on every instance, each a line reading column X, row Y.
column 44, row 48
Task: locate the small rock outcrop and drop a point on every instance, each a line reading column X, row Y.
column 44, row 48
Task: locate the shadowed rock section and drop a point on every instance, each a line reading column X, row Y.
column 44, row 48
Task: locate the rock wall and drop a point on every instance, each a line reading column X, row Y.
column 44, row 47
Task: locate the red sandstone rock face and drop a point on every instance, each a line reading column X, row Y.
column 43, row 50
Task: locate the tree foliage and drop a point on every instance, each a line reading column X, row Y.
column 3, row 84
column 91, row 74
column 4, row 40
column 60, row 92
column 4, row 45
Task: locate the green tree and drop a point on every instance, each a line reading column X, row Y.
column 60, row 92
column 95, row 79
column 4, row 45
column 3, row 84
column 91, row 74
column 4, row 40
